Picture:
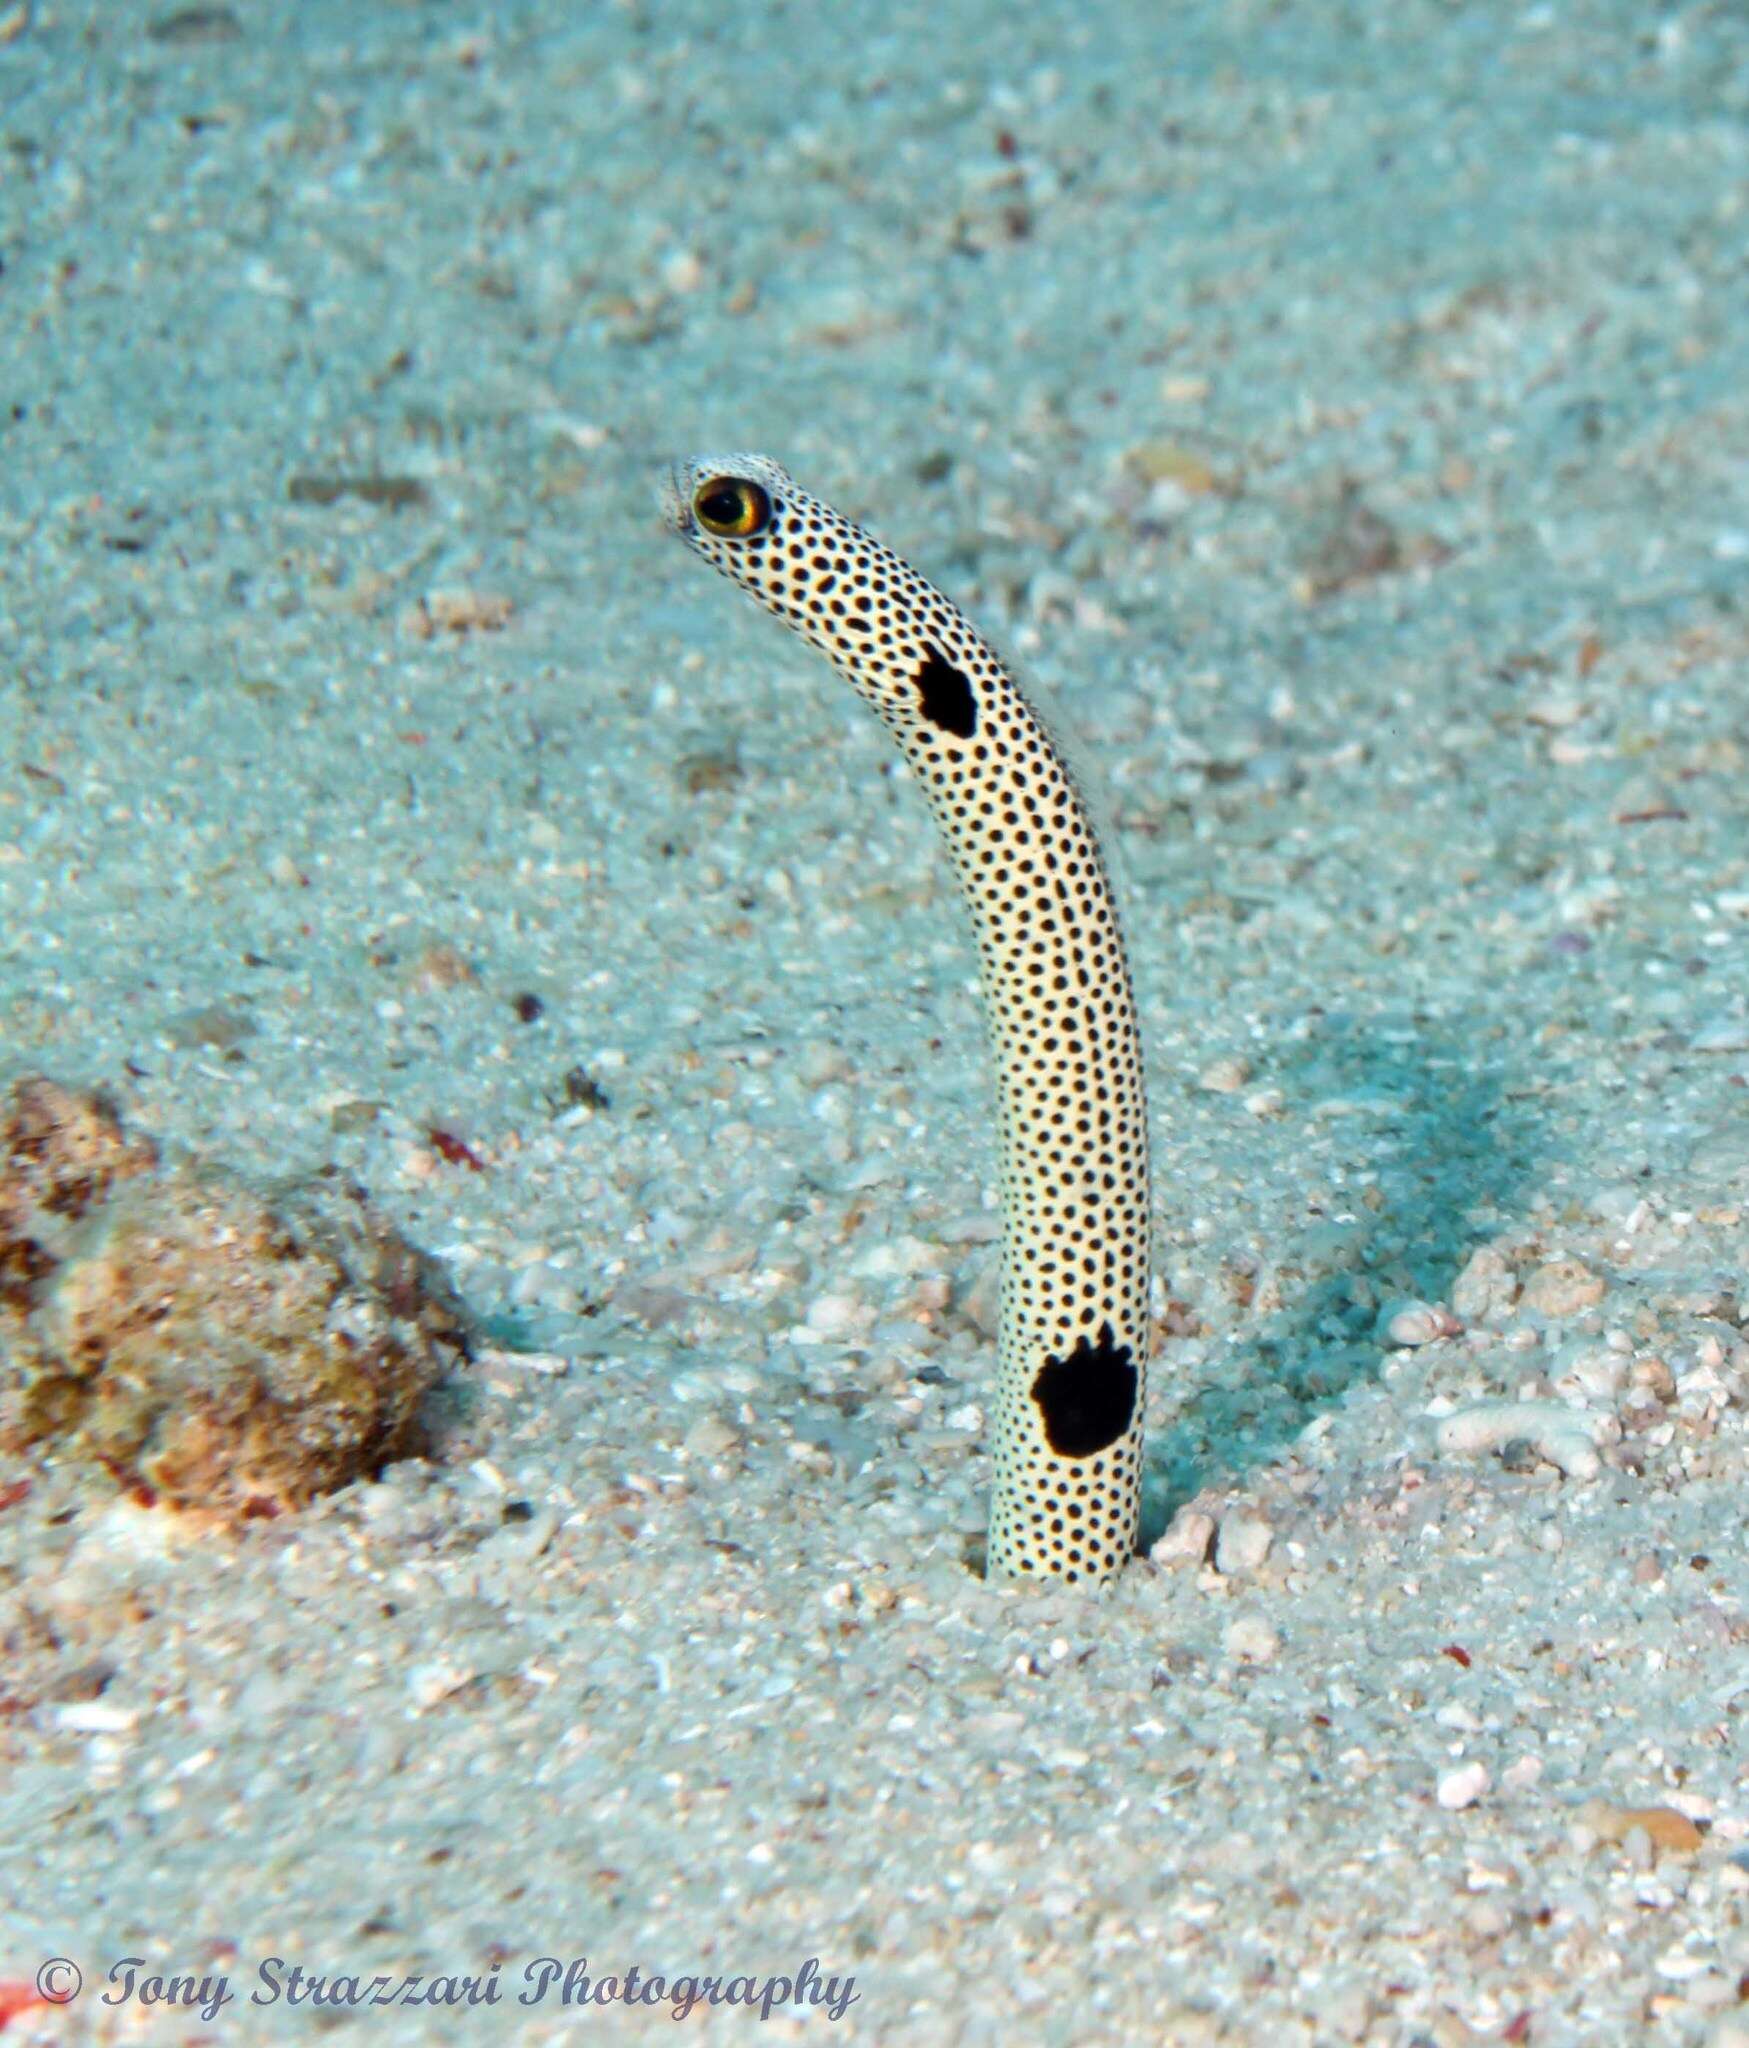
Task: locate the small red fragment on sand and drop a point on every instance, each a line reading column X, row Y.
column 1457, row 1653
column 13, row 1492
column 16, row 1996
column 1517, row 2029
column 454, row 1150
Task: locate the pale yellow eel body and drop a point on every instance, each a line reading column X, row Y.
column 1056, row 981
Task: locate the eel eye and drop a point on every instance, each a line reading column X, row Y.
column 731, row 508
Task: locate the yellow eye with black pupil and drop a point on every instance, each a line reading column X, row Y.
column 731, row 507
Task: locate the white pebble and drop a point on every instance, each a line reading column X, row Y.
column 820, row 1061
column 899, row 1257
column 837, row 1315
column 1555, row 711
column 710, row 1437
column 1409, row 1323
column 1678, row 1965
column 434, row 1681
column 1186, row 1540
column 1486, row 1283
column 1462, row 1787
column 1251, row 1639
column 684, row 271
column 1711, row 1989
column 95, row 1717
column 1224, row 1076
column 1243, row 1543
column 1562, row 1436
column 1592, row 1371
column 1563, row 1287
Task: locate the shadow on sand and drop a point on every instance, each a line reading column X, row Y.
column 1450, row 1146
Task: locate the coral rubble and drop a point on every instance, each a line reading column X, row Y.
column 206, row 1347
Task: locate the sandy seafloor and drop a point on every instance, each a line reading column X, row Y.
column 1343, row 412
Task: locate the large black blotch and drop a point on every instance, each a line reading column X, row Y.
column 947, row 696
column 1086, row 1400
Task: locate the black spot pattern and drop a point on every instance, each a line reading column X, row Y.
column 947, row 696
column 1071, row 1110
column 1087, row 1399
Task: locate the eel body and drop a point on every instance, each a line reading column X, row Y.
column 1062, row 1020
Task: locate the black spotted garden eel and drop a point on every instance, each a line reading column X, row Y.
column 1056, row 983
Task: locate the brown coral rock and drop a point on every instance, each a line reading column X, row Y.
column 60, row 1153
column 209, row 1349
